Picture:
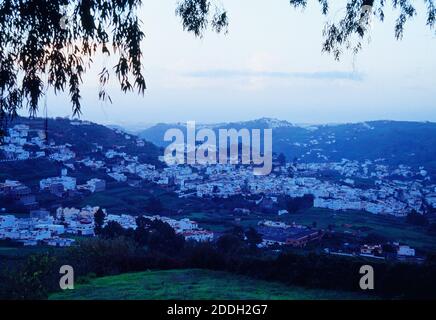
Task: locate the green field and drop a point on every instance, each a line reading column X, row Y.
column 192, row 284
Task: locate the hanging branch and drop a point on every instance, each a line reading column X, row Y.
column 60, row 38
column 349, row 32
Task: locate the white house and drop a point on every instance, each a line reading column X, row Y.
column 7, row 221
column 405, row 251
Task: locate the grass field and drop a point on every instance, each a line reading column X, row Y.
column 192, row 284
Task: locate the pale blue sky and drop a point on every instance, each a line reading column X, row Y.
column 269, row 65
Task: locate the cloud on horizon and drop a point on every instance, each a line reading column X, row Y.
column 319, row 75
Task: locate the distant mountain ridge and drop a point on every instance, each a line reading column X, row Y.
column 389, row 142
column 397, row 142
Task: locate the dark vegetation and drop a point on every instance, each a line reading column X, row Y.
column 154, row 245
column 350, row 30
column 300, row 203
column 417, row 219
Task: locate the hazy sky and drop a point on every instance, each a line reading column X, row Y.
column 269, row 65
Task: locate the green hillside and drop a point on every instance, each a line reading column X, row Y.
column 192, row 284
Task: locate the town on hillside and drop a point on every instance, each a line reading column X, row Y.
column 47, row 213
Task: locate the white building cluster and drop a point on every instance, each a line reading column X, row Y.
column 77, row 221
column 67, row 183
column 384, row 194
column 33, row 231
column 386, row 190
column 14, row 147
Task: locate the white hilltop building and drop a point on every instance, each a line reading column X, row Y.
column 69, row 183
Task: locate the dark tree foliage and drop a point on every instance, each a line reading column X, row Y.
column 141, row 232
column 51, row 44
column 99, row 217
column 163, row 238
column 351, row 29
column 37, row 276
column 30, row 280
column 300, row 203
column 143, row 222
column 231, row 241
column 156, row 235
column 416, row 219
column 253, row 237
column 113, row 230
column 197, row 15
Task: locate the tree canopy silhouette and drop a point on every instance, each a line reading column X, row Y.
column 350, row 30
column 51, row 43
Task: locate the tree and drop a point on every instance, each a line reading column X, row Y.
column 142, row 222
column 300, row 203
column 141, row 232
column 51, row 44
column 99, row 217
column 238, row 231
column 30, row 281
column 195, row 16
column 347, row 33
column 112, row 230
column 55, row 40
column 416, row 219
column 229, row 243
column 103, row 256
column 253, row 237
column 351, row 29
column 163, row 238
column 232, row 240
